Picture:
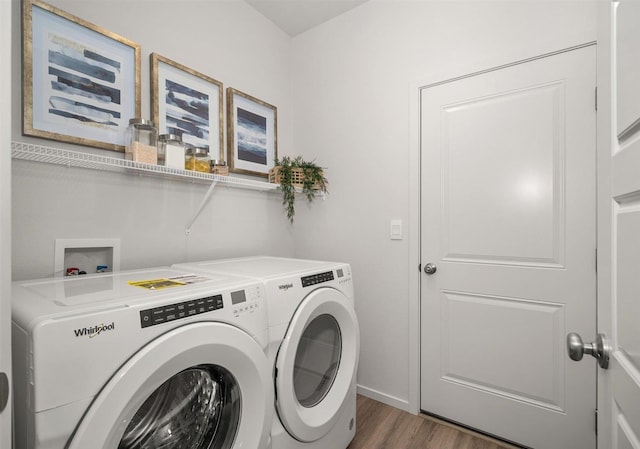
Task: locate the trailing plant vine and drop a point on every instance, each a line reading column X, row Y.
column 313, row 181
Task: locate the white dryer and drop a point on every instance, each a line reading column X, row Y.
column 314, row 344
column 142, row 359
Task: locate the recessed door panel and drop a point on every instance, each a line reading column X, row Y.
column 623, row 437
column 626, row 394
column 502, row 178
column 629, row 285
column 476, row 354
column 628, row 68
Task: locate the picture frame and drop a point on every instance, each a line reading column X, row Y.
column 81, row 83
column 252, row 134
column 187, row 103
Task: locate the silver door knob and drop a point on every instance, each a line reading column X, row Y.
column 430, row 268
column 599, row 349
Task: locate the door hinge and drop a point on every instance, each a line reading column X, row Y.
column 419, row 268
column 596, row 260
column 596, row 98
column 596, row 426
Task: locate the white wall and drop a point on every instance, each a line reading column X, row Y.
column 355, row 84
column 227, row 40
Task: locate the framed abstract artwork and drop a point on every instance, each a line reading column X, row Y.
column 252, row 128
column 188, row 104
column 81, row 83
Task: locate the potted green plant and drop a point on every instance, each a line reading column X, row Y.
column 296, row 173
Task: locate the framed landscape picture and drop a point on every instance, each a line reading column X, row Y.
column 251, row 135
column 188, row 104
column 81, row 83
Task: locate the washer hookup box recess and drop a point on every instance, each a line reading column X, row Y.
column 86, row 255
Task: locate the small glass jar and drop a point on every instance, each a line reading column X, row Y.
column 171, row 151
column 219, row 167
column 197, row 159
column 141, row 141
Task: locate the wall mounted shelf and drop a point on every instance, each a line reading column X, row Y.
column 57, row 156
column 68, row 158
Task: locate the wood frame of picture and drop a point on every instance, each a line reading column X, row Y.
column 188, row 104
column 81, row 83
column 252, row 134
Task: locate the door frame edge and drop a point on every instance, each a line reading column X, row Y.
column 414, row 247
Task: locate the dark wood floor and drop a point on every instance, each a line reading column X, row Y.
column 379, row 426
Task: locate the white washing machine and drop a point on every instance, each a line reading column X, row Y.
column 142, row 359
column 314, row 344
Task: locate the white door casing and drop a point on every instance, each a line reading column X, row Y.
column 5, row 213
column 508, row 217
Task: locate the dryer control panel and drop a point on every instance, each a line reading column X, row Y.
column 319, row 278
column 171, row 312
column 315, row 279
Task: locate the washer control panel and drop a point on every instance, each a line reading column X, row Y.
column 176, row 311
column 245, row 300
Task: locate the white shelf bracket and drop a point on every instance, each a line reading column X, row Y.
column 201, row 206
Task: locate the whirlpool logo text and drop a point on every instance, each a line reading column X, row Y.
column 94, row 330
column 285, row 287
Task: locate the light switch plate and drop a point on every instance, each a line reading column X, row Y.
column 396, row 230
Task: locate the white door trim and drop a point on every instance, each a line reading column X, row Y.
column 415, row 214
column 604, row 145
column 6, row 27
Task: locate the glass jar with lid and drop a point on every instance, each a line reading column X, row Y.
column 197, row 159
column 219, row 167
column 171, row 151
column 141, row 141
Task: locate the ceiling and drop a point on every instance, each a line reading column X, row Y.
column 297, row 16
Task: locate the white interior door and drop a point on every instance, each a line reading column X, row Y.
column 508, row 219
column 622, row 403
column 5, row 221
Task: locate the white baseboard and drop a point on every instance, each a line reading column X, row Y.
column 402, row 404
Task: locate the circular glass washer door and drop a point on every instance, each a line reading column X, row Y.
column 316, row 364
column 201, row 386
column 198, row 407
